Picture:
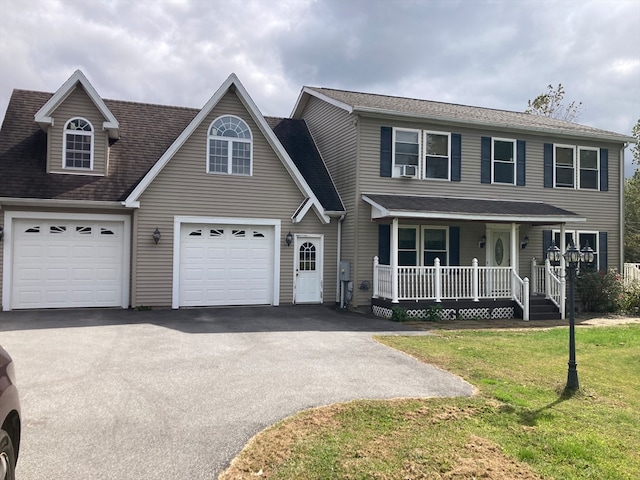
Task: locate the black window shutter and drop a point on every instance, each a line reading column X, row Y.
column 521, row 162
column 454, row 246
column 604, row 169
column 485, row 160
column 546, row 243
column 384, row 244
column 385, row 151
column 548, row 165
column 456, row 157
column 602, row 251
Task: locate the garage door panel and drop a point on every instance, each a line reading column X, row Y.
column 238, row 265
column 67, row 263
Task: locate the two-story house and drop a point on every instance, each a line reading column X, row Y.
column 106, row 203
column 457, row 205
column 357, row 199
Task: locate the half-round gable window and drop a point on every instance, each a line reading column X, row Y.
column 78, row 144
column 229, row 146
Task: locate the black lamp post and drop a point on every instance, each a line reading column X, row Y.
column 573, row 257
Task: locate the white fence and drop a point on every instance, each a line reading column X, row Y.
column 631, row 273
column 439, row 283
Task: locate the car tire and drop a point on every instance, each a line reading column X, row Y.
column 7, row 457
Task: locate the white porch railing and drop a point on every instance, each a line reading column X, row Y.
column 439, row 283
column 556, row 287
column 631, row 273
column 538, row 276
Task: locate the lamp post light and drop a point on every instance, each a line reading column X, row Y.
column 573, row 258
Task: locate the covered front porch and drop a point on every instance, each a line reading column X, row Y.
column 471, row 266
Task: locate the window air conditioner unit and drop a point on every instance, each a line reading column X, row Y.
column 408, row 171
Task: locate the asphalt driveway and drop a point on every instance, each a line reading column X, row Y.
column 122, row 394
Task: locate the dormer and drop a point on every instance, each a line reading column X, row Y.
column 79, row 127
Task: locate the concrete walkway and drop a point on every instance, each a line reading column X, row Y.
column 113, row 394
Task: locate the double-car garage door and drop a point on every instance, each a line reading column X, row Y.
column 226, row 264
column 67, row 263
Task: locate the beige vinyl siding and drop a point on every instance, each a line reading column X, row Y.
column 334, row 131
column 77, row 104
column 183, row 188
column 602, row 209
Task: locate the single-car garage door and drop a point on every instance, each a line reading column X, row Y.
column 226, row 265
column 66, row 263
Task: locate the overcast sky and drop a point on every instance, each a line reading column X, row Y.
column 494, row 54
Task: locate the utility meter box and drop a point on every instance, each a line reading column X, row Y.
column 345, row 271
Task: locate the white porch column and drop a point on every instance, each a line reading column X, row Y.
column 474, row 281
column 438, row 280
column 515, row 252
column 394, row 261
column 376, row 262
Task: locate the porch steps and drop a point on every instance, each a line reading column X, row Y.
column 541, row 308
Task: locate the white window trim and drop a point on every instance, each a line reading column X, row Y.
column 555, row 180
column 514, row 161
column 575, row 235
column 579, row 169
column 77, row 132
column 446, row 242
column 230, row 141
column 424, row 156
column 396, row 168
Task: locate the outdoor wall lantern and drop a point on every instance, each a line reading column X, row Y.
column 525, row 242
column 573, row 257
column 1, row 233
column 483, row 241
column 156, row 235
column 288, row 239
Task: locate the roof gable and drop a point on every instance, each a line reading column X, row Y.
column 231, row 83
column 43, row 116
column 386, row 105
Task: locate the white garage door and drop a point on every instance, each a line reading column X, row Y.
column 65, row 263
column 226, row 265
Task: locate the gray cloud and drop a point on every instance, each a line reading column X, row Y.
column 495, row 54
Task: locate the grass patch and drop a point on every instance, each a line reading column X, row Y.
column 520, row 425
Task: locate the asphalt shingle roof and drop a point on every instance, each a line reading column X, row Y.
column 146, row 132
column 464, row 113
column 469, row 206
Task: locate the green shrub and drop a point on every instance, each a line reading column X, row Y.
column 434, row 313
column 599, row 291
column 399, row 314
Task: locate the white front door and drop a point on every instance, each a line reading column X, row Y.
column 500, row 254
column 308, row 269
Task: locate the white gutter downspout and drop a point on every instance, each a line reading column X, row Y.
column 339, row 255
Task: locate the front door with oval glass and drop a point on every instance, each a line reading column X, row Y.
column 308, row 269
column 499, row 255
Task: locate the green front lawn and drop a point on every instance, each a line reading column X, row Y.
column 519, row 425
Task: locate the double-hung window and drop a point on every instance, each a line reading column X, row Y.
column 229, row 146
column 589, row 161
column 406, row 151
column 78, row 144
column 503, row 161
column 434, row 243
column 437, row 155
column 564, row 160
column 407, row 246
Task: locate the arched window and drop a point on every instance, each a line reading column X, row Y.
column 229, row 146
column 78, row 144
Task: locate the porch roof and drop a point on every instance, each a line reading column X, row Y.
column 467, row 209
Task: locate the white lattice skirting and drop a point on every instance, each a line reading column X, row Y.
column 482, row 313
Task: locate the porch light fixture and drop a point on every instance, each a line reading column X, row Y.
column 573, row 257
column 288, row 239
column 483, row 241
column 525, row 242
column 156, row 236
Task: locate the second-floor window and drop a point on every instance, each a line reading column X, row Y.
column 78, row 144
column 503, row 161
column 436, row 158
column 589, row 164
column 406, row 151
column 229, row 146
column 564, row 160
